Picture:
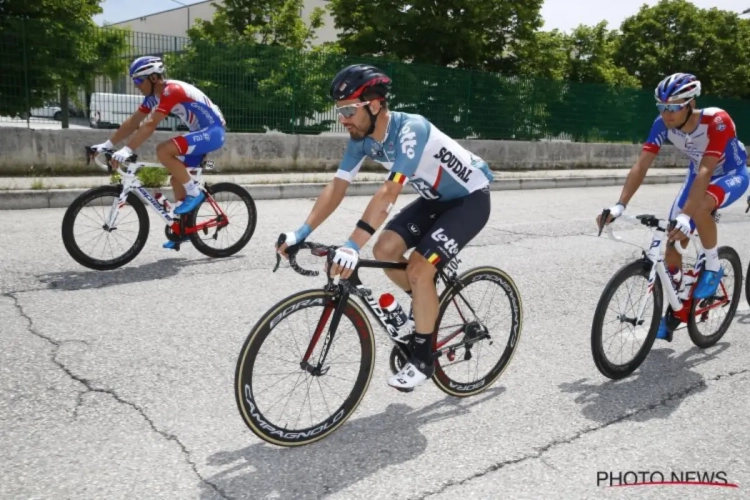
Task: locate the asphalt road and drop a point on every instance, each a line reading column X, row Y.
column 119, row 384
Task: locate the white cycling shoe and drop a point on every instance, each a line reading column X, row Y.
column 413, row 374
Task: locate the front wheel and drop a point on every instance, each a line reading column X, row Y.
column 725, row 301
column 636, row 331
column 90, row 212
column 218, row 223
column 282, row 374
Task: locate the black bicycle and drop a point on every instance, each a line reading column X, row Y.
column 338, row 346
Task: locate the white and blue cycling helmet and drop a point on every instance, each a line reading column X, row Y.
column 677, row 86
column 145, row 66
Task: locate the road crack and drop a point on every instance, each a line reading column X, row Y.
column 540, row 452
column 90, row 387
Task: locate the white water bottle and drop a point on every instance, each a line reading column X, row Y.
column 395, row 314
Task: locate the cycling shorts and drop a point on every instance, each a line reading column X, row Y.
column 725, row 189
column 439, row 230
column 195, row 145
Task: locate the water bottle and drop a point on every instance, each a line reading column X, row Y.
column 395, row 315
column 163, row 201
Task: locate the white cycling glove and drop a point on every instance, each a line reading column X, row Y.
column 101, row 147
column 616, row 210
column 294, row 237
column 346, row 257
column 682, row 223
column 122, row 155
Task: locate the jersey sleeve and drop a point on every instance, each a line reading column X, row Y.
column 412, row 139
column 354, row 157
column 656, row 137
column 145, row 106
column 720, row 131
column 171, row 96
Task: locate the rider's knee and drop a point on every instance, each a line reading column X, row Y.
column 707, row 206
column 165, row 150
column 389, row 246
column 419, row 270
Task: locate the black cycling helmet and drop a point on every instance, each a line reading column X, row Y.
column 352, row 81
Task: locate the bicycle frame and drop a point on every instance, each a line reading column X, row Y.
column 655, row 256
column 354, row 286
column 132, row 184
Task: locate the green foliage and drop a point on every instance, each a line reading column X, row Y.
column 249, row 60
column 50, row 44
column 150, row 177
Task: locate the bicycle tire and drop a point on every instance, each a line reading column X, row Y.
column 209, row 251
column 605, row 367
column 464, row 389
column 747, row 284
column 696, row 337
column 248, row 408
column 69, row 221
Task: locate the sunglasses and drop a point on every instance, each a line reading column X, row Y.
column 138, row 81
column 350, row 110
column 661, row 106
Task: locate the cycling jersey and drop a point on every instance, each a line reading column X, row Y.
column 416, row 151
column 714, row 136
column 187, row 103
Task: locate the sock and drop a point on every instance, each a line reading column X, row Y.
column 423, row 347
column 192, row 188
column 712, row 259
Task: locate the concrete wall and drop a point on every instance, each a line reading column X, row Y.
column 60, row 150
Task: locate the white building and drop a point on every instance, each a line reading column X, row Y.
column 175, row 22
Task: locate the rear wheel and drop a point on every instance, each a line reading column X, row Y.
column 723, row 303
column 221, row 222
column 90, row 212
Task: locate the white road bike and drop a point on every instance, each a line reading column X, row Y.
column 130, row 191
column 682, row 306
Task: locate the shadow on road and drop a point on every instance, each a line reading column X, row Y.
column 356, row 450
column 82, row 280
column 660, row 376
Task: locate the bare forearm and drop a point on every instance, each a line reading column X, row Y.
column 127, row 128
column 375, row 214
column 697, row 191
column 632, row 183
column 143, row 133
column 328, row 200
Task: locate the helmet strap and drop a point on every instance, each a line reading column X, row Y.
column 373, row 117
column 687, row 118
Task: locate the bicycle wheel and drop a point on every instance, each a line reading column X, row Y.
column 700, row 310
column 610, row 369
column 747, row 285
column 98, row 217
column 216, row 227
column 258, row 408
column 457, row 370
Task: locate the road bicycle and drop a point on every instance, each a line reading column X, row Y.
column 130, row 191
column 682, row 308
column 747, row 274
column 348, row 325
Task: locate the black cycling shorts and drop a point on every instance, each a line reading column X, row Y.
column 439, row 230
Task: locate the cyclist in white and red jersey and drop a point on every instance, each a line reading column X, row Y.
column 202, row 117
column 717, row 175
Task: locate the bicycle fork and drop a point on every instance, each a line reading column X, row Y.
column 337, row 308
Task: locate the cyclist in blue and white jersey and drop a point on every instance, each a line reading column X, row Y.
column 717, row 174
column 453, row 207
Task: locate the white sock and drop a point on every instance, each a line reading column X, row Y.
column 712, row 259
column 192, row 188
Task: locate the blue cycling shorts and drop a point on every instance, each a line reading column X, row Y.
column 195, row 145
column 725, row 189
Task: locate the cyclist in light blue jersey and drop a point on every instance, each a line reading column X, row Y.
column 453, row 207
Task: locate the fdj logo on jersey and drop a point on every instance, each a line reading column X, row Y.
column 450, row 245
column 408, row 140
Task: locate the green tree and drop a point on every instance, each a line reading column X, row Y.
column 255, row 59
column 676, row 36
column 51, row 45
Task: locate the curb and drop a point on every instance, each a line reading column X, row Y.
column 61, row 198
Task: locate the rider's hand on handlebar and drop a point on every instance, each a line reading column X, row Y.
column 292, row 238
column 344, row 262
column 121, row 156
column 614, row 212
column 101, row 147
column 681, row 229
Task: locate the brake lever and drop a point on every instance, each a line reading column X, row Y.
column 603, row 220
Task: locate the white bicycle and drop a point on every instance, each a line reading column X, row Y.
column 642, row 326
column 129, row 192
